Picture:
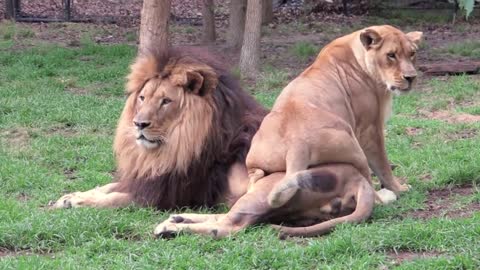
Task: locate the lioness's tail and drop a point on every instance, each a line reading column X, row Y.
column 365, row 202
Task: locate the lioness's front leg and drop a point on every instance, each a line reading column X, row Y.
column 378, row 162
column 103, row 196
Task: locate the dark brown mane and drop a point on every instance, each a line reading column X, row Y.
column 236, row 118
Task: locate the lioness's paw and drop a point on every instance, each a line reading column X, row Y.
column 166, row 230
column 404, row 187
column 70, row 200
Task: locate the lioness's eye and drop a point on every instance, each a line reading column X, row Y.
column 142, row 98
column 412, row 54
column 166, row 101
column 391, row 55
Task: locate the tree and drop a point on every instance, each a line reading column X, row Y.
column 250, row 53
column 208, row 12
column 267, row 11
column 154, row 26
column 236, row 23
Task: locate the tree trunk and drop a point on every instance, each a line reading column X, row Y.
column 250, row 54
column 236, row 24
column 208, row 14
column 267, row 16
column 154, row 26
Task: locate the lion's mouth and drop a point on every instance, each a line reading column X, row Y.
column 148, row 143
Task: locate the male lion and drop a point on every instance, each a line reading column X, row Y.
column 312, row 152
column 182, row 137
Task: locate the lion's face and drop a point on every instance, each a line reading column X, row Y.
column 157, row 107
column 391, row 56
column 165, row 104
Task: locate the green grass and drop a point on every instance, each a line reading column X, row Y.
column 49, row 127
column 406, row 17
column 468, row 48
column 304, row 50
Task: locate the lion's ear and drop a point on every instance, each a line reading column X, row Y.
column 415, row 37
column 201, row 82
column 370, row 39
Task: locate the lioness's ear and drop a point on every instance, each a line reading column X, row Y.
column 370, row 39
column 201, row 82
column 415, row 37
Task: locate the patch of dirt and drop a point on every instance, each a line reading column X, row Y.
column 413, row 131
column 69, row 174
column 23, row 197
column 462, row 134
column 442, row 203
column 16, row 138
column 8, row 252
column 65, row 130
column 426, row 177
column 449, row 117
column 398, row 257
column 78, row 91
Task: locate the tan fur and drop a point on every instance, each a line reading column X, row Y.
column 336, row 109
column 312, row 152
column 350, row 199
column 182, row 136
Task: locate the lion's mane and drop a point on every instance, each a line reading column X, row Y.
column 214, row 131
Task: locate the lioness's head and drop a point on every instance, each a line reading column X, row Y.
column 169, row 98
column 390, row 56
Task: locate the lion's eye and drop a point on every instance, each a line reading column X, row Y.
column 142, row 98
column 391, row 55
column 165, row 101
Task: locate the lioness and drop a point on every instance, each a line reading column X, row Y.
column 335, row 111
column 331, row 115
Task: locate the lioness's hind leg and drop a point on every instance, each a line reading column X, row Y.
column 285, row 190
column 297, row 160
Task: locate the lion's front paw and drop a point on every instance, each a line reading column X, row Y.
column 71, row 200
column 166, row 230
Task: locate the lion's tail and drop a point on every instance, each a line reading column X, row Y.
column 365, row 198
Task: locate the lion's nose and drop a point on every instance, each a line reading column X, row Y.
column 141, row 124
column 409, row 78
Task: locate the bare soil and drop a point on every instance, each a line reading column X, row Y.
column 451, row 117
column 399, row 257
column 6, row 252
column 16, row 138
column 443, row 203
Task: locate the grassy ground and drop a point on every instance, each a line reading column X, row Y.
column 58, row 111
